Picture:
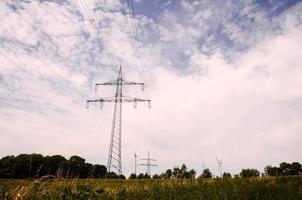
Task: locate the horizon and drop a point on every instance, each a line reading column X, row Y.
column 224, row 78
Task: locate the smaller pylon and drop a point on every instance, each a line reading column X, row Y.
column 148, row 163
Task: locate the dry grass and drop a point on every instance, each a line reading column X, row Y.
column 250, row 189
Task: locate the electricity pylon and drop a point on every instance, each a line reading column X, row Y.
column 148, row 163
column 114, row 163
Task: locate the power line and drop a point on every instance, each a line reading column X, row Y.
column 100, row 40
column 124, row 11
column 129, row 8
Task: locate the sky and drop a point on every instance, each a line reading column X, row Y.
column 224, row 77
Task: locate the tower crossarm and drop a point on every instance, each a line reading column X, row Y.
column 101, row 101
column 148, row 159
column 135, row 100
column 121, row 100
column 134, row 83
column 105, row 83
column 149, row 165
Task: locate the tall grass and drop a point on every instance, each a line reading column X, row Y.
column 178, row 189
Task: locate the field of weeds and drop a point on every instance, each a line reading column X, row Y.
column 239, row 188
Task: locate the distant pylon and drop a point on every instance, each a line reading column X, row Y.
column 114, row 163
column 148, row 163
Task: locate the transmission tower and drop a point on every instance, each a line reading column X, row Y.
column 148, row 163
column 114, row 163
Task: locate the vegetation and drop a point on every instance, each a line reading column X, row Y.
column 284, row 169
column 36, row 166
column 27, row 176
column 247, row 173
column 268, row 188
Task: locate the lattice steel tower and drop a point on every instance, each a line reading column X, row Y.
column 114, row 163
column 148, row 163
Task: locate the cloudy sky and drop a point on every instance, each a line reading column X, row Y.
column 224, row 77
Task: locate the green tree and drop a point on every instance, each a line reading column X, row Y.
column 53, row 165
column 168, row 174
column 143, row 176
column 22, row 166
column 7, row 167
column 183, row 172
column 190, row 174
column 112, row 175
column 79, row 168
column 206, row 173
column 296, row 168
column 226, row 175
column 156, row 176
column 36, row 165
column 132, row 176
column 99, row 171
column 176, row 173
column 272, row 171
column 247, row 173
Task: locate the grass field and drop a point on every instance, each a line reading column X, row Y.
column 239, row 188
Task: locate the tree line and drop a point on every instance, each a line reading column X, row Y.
column 38, row 166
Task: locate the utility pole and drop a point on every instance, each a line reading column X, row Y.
column 114, row 163
column 135, row 163
column 148, row 163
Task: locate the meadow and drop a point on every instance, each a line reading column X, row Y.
column 264, row 188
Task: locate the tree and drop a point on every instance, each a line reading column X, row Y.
column 122, row 176
column 183, row 172
column 288, row 169
column 22, row 166
column 168, row 174
column 297, row 168
column 140, row 176
column 132, row 176
column 226, row 175
column 284, row 169
column 272, row 171
column 36, row 165
column 112, row 175
column 53, row 165
column 99, row 171
column 247, row 173
column 78, row 167
column 176, row 173
column 190, row 174
column 143, row 176
column 206, row 173
column 7, row 167
column 156, row 176
column 147, row 176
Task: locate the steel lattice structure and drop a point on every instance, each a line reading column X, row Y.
column 148, row 163
column 114, row 163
